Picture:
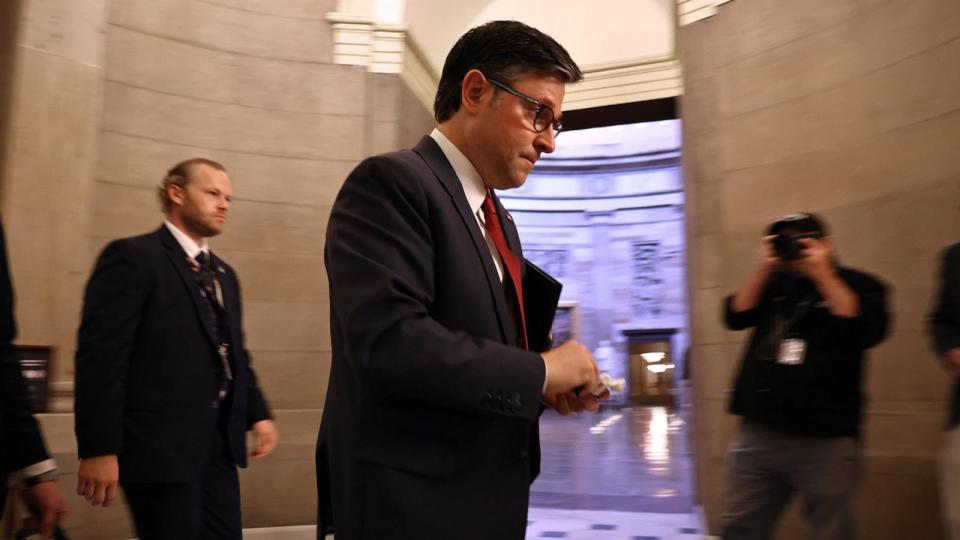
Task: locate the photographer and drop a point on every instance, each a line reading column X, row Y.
column 798, row 388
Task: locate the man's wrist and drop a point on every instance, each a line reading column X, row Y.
column 824, row 277
column 48, row 476
column 765, row 270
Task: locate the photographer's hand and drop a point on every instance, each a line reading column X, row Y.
column 768, row 256
column 816, row 264
column 749, row 295
column 816, row 259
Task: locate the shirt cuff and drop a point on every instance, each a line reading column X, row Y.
column 543, row 389
column 37, row 469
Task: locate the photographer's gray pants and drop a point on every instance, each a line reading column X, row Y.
column 764, row 470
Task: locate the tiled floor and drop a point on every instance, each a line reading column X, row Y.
column 606, row 525
column 630, row 460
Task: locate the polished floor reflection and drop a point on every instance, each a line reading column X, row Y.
column 622, row 474
column 627, row 460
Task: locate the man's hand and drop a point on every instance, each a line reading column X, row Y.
column 569, row 366
column 749, row 295
column 815, row 261
column 46, row 506
column 265, row 432
column 569, row 402
column 97, row 479
column 816, row 264
column 952, row 361
column 769, row 262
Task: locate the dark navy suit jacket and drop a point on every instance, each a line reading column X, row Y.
column 147, row 372
column 429, row 425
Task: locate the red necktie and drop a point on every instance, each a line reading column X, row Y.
column 510, row 261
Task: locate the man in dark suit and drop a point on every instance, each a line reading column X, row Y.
column 164, row 389
column 430, row 424
column 945, row 328
column 22, row 452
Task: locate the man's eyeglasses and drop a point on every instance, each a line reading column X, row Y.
column 544, row 117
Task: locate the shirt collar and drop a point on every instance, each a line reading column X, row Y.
column 473, row 186
column 191, row 248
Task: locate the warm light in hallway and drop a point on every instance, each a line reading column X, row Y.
column 656, row 444
column 652, row 357
column 660, row 368
column 604, row 424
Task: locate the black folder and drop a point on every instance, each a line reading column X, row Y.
column 541, row 294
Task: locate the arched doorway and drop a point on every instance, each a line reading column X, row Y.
column 605, row 215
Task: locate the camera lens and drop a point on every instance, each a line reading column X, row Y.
column 786, row 247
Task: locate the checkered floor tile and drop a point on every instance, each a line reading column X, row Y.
column 607, row 525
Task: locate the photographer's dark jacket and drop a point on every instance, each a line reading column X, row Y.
column 822, row 396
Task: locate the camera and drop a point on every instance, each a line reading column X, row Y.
column 789, row 230
column 788, row 247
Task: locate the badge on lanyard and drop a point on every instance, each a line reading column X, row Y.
column 792, row 352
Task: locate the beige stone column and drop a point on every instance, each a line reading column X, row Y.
column 50, row 156
column 850, row 109
column 9, row 24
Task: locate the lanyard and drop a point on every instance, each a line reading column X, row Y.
column 223, row 351
column 781, row 324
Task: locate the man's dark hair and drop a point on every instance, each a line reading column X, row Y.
column 501, row 50
column 801, row 222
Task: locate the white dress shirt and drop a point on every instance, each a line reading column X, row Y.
column 191, row 248
column 473, row 188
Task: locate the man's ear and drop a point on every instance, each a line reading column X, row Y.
column 472, row 91
column 175, row 193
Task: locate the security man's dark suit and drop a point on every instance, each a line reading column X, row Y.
column 148, row 377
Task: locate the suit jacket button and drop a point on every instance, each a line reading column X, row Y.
column 521, row 454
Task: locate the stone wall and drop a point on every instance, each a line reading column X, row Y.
column 850, row 109
column 107, row 97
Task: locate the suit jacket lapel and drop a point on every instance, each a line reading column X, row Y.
column 428, row 149
column 179, row 261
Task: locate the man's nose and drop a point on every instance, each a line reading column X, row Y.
column 546, row 141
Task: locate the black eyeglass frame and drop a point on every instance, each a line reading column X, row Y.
column 557, row 125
